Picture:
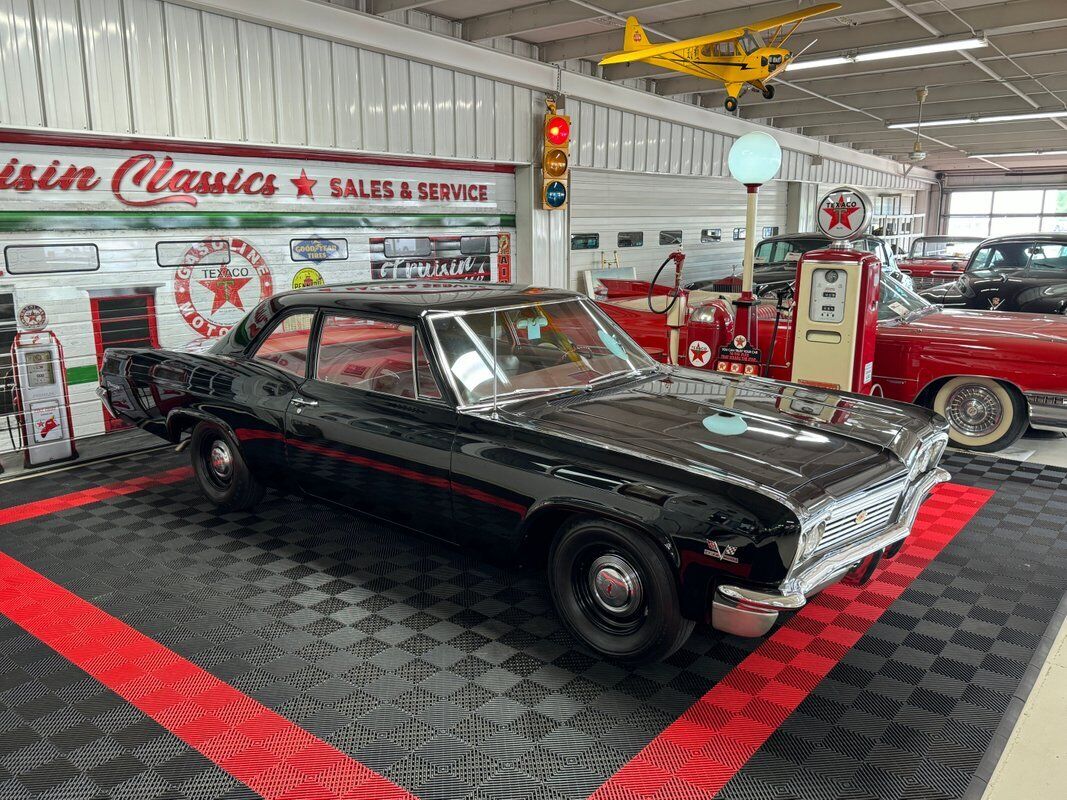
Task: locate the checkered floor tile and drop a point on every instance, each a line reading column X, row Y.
column 453, row 678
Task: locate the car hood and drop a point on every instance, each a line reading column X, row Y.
column 971, row 326
column 771, row 434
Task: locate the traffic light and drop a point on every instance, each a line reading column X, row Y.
column 556, row 161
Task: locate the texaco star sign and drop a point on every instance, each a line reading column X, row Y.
column 844, row 213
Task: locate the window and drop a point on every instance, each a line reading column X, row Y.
column 1006, row 212
column 670, row 237
column 739, row 234
column 477, row 245
column 286, row 347
column 709, row 235
column 208, row 252
column 774, row 252
column 1021, row 254
column 631, row 239
column 770, row 230
column 44, row 259
column 426, row 382
column 407, row 248
column 585, row 241
column 366, row 354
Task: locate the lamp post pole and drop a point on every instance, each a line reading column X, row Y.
column 744, row 319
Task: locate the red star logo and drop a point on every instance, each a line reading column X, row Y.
column 303, row 185
column 698, row 351
column 840, row 213
column 226, row 289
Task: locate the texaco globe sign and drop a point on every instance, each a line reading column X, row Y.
column 212, row 297
column 844, row 213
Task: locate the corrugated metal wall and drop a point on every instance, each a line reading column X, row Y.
column 608, row 203
column 159, row 69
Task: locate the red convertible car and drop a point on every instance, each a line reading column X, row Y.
column 934, row 260
column 990, row 374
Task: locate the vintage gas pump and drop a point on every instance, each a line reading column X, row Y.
column 674, row 305
column 42, row 402
column 835, row 314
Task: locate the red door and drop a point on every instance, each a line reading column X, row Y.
column 127, row 320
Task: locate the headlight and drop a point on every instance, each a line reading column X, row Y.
column 705, row 314
column 809, row 540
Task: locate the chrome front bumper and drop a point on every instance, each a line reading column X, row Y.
column 747, row 612
column 1048, row 411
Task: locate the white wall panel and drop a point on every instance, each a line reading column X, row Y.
column 372, row 86
column 348, row 108
column 600, row 137
column 466, row 136
column 505, row 107
column 614, row 139
column 318, row 91
column 20, row 96
column 289, row 93
column 257, row 82
column 398, row 104
column 59, row 51
column 640, row 142
column 485, row 117
column 149, row 84
column 626, row 142
column 444, row 113
column 525, row 113
column 422, row 113
column 188, row 85
column 105, row 64
column 222, row 72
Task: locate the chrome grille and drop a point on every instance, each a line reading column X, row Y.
column 879, row 506
column 928, row 282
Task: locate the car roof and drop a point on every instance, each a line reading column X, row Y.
column 1027, row 237
column 411, row 299
column 812, row 235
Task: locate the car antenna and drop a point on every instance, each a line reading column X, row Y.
column 496, row 362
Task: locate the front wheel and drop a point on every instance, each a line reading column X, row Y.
column 768, row 92
column 616, row 592
column 731, row 104
column 221, row 471
column 983, row 414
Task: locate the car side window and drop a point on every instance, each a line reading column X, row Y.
column 367, row 354
column 286, row 346
column 427, row 386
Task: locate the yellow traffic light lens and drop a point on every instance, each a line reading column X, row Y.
column 555, row 163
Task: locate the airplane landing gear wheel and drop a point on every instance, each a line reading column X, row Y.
column 731, row 104
column 768, row 92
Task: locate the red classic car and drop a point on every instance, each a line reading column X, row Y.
column 991, row 374
column 934, row 260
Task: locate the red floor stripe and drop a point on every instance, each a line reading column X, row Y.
column 695, row 757
column 275, row 758
column 41, row 508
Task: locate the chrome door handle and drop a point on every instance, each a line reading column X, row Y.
column 299, row 401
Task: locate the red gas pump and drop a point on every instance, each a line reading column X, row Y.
column 835, row 319
column 42, row 404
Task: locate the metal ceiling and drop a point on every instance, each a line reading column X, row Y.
column 1022, row 70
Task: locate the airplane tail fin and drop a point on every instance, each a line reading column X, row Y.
column 635, row 38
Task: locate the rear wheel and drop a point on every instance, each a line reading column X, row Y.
column 983, row 414
column 731, row 104
column 616, row 592
column 768, row 92
column 221, row 470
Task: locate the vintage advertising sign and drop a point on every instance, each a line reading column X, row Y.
column 428, row 258
column 212, row 298
column 77, row 178
column 318, row 250
column 844, row 213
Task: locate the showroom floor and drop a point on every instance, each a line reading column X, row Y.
column 150, row 648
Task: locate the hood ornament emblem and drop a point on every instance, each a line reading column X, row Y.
column 861, row 517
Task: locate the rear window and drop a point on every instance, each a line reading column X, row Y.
column 286, row 347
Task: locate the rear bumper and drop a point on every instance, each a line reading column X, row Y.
column 1048, row 411
column 748, row 612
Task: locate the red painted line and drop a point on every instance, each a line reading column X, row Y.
column 51, row 505
column 275, row 758
column 698, row 754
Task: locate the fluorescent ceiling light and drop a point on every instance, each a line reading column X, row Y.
column 896, row 52
column 1014, row 155
column 976, row 120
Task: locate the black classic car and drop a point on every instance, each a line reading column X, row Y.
column 1027, row 272
column 523, row 423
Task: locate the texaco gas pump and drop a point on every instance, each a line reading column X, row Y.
column 835, row 315
column 42, row 405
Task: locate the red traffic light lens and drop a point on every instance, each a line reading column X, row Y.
column 557, row 130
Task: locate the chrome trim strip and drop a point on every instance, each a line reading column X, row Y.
column 1045, row 414
column 105, row 398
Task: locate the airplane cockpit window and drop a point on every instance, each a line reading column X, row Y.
column 749, row 43
column 724, row 48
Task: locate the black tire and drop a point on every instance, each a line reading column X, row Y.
column 768, row 92
column 731, row 104
column 233, row 488
column 984, row 415
column 649, row 625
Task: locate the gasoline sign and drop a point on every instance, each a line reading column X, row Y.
column 844, row 213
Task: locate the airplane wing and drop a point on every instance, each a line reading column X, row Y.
column 796, row 16
column 640, row 54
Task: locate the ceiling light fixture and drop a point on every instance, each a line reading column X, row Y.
column 977, row 120
column 1015, row 155
column 896, row 52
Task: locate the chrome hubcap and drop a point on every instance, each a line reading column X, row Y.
column 615, row 585
column 974, row 410
column 220, row 459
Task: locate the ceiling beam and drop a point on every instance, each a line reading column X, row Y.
column 389, row 6
column 550, row 14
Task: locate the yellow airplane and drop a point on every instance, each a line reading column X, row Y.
column 739, row 57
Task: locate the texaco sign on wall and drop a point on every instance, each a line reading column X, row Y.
column 211, row 297
column 844, row 213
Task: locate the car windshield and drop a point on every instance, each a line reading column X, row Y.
column 896, row 301
column 771, row 251
column 1020, row 254
column 933, row 246
column 540, row 348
